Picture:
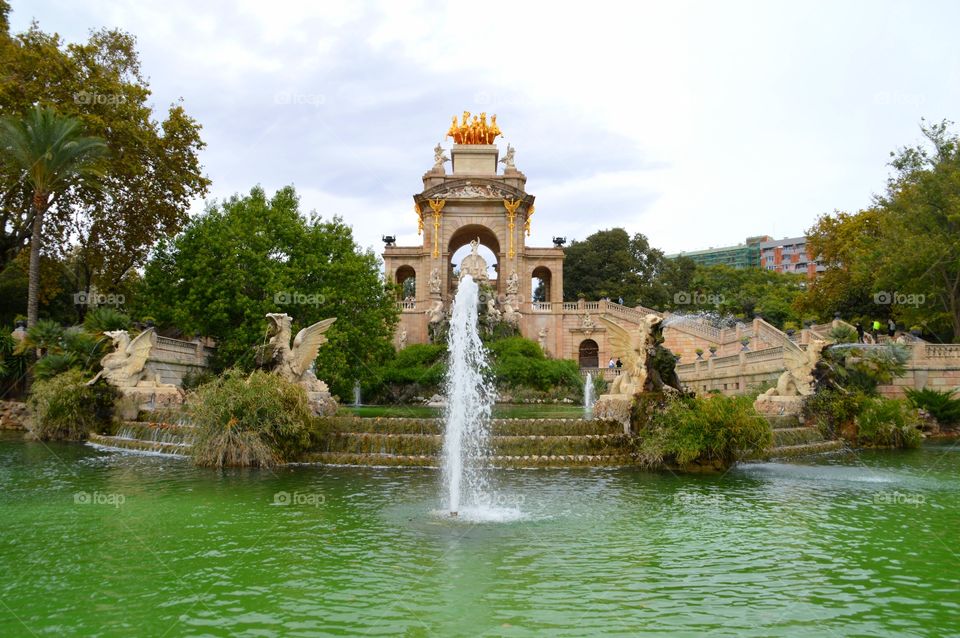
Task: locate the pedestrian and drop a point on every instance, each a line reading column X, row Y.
column 612, row 364
column 619, row 365
column 620, row 300
column 859, row 332
column 876, row 331
column 891, row 327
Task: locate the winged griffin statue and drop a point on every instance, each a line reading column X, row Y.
column 638, row 349
column 128, row 369
column 797, row 379
column 295, row 362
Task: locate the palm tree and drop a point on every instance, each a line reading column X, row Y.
column 54, row 156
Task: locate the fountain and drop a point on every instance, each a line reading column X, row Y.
column 469, row 401
column 588, row 394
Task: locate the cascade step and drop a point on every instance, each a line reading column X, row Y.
column 807, row 449
column 518, row 445
column 502, row 427
column 783, row 437
column 140, row 445
column 788, row 421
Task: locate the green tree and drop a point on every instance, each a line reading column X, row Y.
column 610, row 263
column 53, row 157
column 252, row 255
column 150, row 177
column 900, row 257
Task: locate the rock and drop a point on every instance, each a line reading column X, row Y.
column 13, row 415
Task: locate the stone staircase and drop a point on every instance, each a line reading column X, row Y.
column 156, row 438
column 791, row 439
column 515, row 443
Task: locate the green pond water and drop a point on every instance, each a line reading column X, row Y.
column 96, row 543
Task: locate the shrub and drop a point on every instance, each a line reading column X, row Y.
column 833, row 410
column 843, row 334
column 694, row 429
column 887, row 423
column 65, row 408
column 256, row 420
column 101, row 319
column 941, row 405
column 195, row 377
column 519, row 362
column 861, row 369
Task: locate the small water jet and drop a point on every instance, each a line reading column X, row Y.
column 588, row 398
column 469, row 402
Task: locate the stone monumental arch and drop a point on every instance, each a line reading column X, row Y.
column 475, row 204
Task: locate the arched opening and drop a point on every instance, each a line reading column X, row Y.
column 460, row 249
column 540, row 284
column 589, row 354
column 407, row 281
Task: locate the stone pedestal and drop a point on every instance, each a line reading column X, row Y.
column 475, row 159
column 779, row 406
column 614, row 407
column 322, row 403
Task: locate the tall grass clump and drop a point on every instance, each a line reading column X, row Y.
column 887, row 423
column 697, row 430
column 65, row 408
column 258, row 420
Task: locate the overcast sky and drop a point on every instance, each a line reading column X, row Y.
column 697, row 124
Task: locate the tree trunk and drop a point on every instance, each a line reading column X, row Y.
column 33, row 288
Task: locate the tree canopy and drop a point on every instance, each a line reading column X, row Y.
column 252, row 255
column 150, row 177
column 899, row 258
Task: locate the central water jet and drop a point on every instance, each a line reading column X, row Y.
column 469, row 401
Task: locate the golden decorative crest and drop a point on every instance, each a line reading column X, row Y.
column 419, row 212
column 476, row 131
column 511, row 205
column 526, row 224
column 437, row 206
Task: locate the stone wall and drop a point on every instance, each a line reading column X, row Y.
column 173, row 359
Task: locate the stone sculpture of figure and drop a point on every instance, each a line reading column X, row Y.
column 635, row 348
column 510, row 313
column 435, row 311
column 493, row 314
column 507, row 159
column 587, row 323
column 542, row 338
column 797, row 379
column 435, row 281
column 402, row 339
column 473, row 264
column 513, row 283
column 439, row 157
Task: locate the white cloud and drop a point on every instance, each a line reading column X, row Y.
column 696, row 123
